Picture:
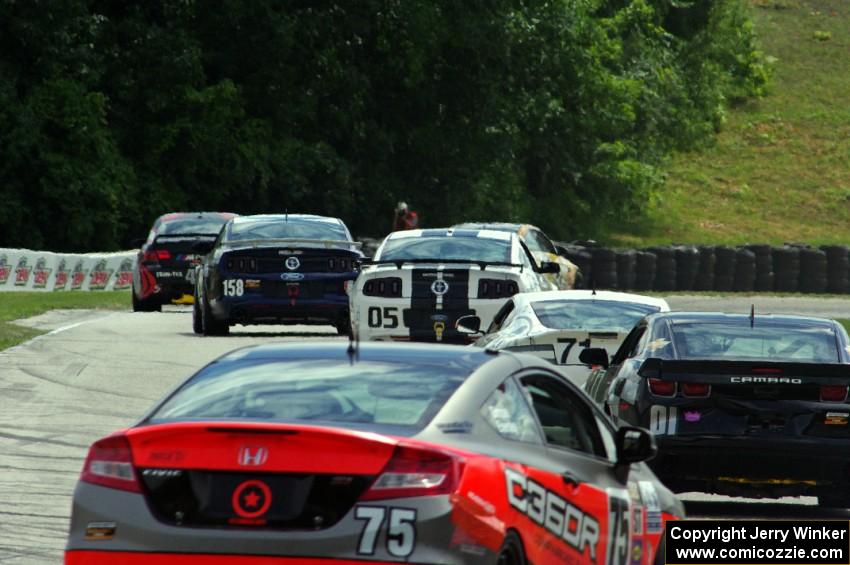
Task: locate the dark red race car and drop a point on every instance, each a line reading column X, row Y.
column 165, row 266
column 326, row 453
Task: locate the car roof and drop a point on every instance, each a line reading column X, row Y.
column 762, row 319
column 285, row 218
column 451, row 232
column 464, row 358
column 172, row 216
column 550, row 295
column 496, row 226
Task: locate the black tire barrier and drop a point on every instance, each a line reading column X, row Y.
column 813, row 277
column 724, row 268
column 665, row 268
column 705, row 269
column 626, row 264
column 687, row 266
column 604, row 268
column 645, row 263
column 837, row 267
column 786, row 268
column 764, row 267
column 745, row 270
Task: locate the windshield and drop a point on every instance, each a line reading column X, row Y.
column 608, row 315
column 315, row 390
column 280, row 228
column 447, row 248
column 773, row 343
column 207, row 226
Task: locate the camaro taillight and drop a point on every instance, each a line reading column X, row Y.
column 387, row 287
column 413, row 471
column 497, row 288
column 110, row 464
column 662, row 388
column 696, row 389
column 833, row 393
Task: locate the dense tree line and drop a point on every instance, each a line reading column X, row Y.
column 556, row 111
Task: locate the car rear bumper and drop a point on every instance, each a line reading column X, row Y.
column 758, row 466
column 332, row 309
column 84, row 557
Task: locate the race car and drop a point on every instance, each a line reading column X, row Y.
column 558, row 325
column 741, row 405
column 421, row 281
column 541, row 248
column 276, row 269
column 326, row 452
column 164, row 270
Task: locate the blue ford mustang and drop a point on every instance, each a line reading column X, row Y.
column 276, row 269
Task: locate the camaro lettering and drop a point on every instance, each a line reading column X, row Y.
column 765, row 380
column 578, row 529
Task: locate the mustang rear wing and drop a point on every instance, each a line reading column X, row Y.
column 746, row 372
column 292, row 240
column 481, row 264
column 174, row 236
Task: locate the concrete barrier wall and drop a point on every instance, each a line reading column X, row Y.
column 23, row 269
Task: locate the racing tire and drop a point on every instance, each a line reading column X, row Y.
column 834, row 500
column 140, row 305
column 512, row 552
column 197, row 320
column 209, row 325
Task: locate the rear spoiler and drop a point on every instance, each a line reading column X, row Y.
column 292, row 240
column 746, row 372
column 481, row 264
column 173, row 236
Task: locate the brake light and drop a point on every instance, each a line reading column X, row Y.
column 662, row 388
column 696, row 389
column 497, row 288
column 385, row 287
column 833, row 393
column 156, row 255
column 110, row 464
column 416, row 472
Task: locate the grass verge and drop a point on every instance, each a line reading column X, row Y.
column 17, row 305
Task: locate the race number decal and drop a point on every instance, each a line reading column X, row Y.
column 571, row 341
column 400, row 529
column 663, row 420
column 234, row 287
column 619, row 529
column 386, row 317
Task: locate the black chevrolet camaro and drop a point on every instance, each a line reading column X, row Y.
column 276, row 269
column 743, row 405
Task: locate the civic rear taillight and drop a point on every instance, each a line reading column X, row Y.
column 695, row 389
column 413, row 471
column 110, row 464
column 662, row 388
column 156, row 255
column 833, row 393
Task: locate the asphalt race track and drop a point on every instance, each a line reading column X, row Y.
column 99, row 371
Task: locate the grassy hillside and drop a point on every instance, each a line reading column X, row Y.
column 780, row 169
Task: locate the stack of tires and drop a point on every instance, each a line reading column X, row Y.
column 687, row 266
column 726, row 259
column 837, row 267
column 745, row 270
column 604, row 268
column 626, row 264
column 645, row 265
column 786, row 268
column 705, row 269
column 764, row 267
column 813, row 270
column 665, row 268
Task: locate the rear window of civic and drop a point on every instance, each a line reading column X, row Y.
column 206, row 226
column 315, row 390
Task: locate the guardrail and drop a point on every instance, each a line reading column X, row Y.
column 24, row 269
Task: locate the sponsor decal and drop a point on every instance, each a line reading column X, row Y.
column 464, row 427
column 41, row 273
column 5, row 269
column 124, row 276
column 439, row 328
column 78, row 276
column 100, row 531
column 836, row 418
column 637, row 520
column 292, row 276
column 99, row 277
column 766, row 380
column 62, row 276
column 252, row 283
column 692, row 416
column 654, row 523
column 251, row 499
column 252, row 455
column 568, row 522
column 292, row 263
column 22, row 272
column 657, row 344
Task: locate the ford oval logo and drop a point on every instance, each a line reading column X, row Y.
column 291, row 276
column 439, row 287
column 292, row 263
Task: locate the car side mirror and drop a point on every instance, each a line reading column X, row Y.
column 594, row 356
column 468, row 325
column 634, row 445
column 550, row 267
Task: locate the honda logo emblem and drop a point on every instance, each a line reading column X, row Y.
column 253, row 456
